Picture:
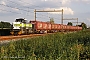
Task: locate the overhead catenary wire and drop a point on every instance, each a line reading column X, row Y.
column 22, row 9
column 24, row 6
column 19, row 5
column 10, row 11
column 34, row 8
column 48, row 17
column 30, row 4
column 14, row 7
column 13, row 12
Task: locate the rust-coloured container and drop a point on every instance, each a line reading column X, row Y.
column 80, row 28
column 76, row 28
column 48, row 26
column 68, row 27
column 59, row 27
column 56, row 26
column 38, row 25
column 45, row 26
column 52, row 26
column 72, row 28
column 63, row 27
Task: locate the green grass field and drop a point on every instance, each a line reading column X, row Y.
column 70, row 46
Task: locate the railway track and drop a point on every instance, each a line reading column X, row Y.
column 3, row 38
column 10, row 37
column 6, row 39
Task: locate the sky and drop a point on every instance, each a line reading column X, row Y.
column 12, row 9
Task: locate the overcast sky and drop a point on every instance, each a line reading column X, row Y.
column 12, row 9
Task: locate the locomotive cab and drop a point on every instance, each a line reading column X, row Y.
column 21, row 20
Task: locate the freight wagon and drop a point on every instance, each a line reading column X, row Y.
column 41, row 27
column 45, row 27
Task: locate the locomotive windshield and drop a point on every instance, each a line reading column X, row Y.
column 21, row 20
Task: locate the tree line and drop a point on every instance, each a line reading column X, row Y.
column 5, row 24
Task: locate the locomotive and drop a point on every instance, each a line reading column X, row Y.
column 21, row 26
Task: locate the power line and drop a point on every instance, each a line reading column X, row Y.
column 38, row 6
column 21, row 9
column 14, row 7
column 24, row 6
column 28, row 7
column 12, row 2
column 45, row 16
column 12, row 12
column 9, row 11
column 30, row 4
column 19, row 5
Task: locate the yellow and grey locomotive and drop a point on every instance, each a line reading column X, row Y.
column 20, row 26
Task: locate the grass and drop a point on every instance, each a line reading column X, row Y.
column 71, row 46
